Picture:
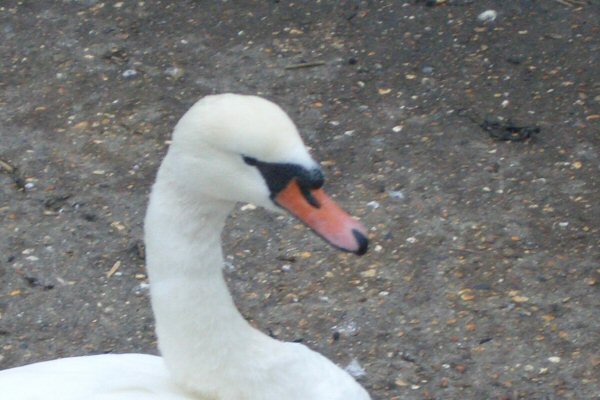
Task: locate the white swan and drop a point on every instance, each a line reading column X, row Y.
column 226, row 148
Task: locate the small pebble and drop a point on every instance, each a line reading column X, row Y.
column 520, row 299
column 590, row 281
column 174, row 72
column 355, row 369
column 141, row 289
column 373, row 204
column 129, row 73
column 396, row 194
column 400, row 382
column 370, row 273
column 229, row 266
column 554, row 359
column 488, row 16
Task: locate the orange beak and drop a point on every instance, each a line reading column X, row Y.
column 324, row 216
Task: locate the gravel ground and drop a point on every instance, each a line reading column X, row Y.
column 469, row 147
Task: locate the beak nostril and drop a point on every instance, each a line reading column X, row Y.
column 309, row 197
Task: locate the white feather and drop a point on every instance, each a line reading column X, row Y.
column 208, row 349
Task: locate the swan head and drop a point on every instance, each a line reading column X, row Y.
column 233, row 148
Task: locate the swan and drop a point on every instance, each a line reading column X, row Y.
column 226, row 148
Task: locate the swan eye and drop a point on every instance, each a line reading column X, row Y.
column 278, row 176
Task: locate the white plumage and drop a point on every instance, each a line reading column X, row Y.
column 208, row 350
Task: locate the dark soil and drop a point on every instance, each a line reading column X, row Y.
column 483, row 279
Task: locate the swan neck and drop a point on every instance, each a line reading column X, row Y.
column 200, row 331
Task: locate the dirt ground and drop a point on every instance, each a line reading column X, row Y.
column 470, row 148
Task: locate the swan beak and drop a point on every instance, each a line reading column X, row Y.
column 320, row 213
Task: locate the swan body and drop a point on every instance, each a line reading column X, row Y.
column 108, row 376
column 226, row 148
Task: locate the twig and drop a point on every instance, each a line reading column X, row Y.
column 114, row 269
column 6, row 166
column 571, row 3
column 305, row 65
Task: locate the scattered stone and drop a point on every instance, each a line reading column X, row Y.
column 355, row 369
column 400, row 382
column 129, row 73
column 520, row 299
column 370, row 273
column 373, row 204
column 482, row 286
column 460, row 368
column 590, row 281
column 432, row 3
column 81, row 125
column 466, row 295
column 487, row 16
column 174, row 72
column 396, row 194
